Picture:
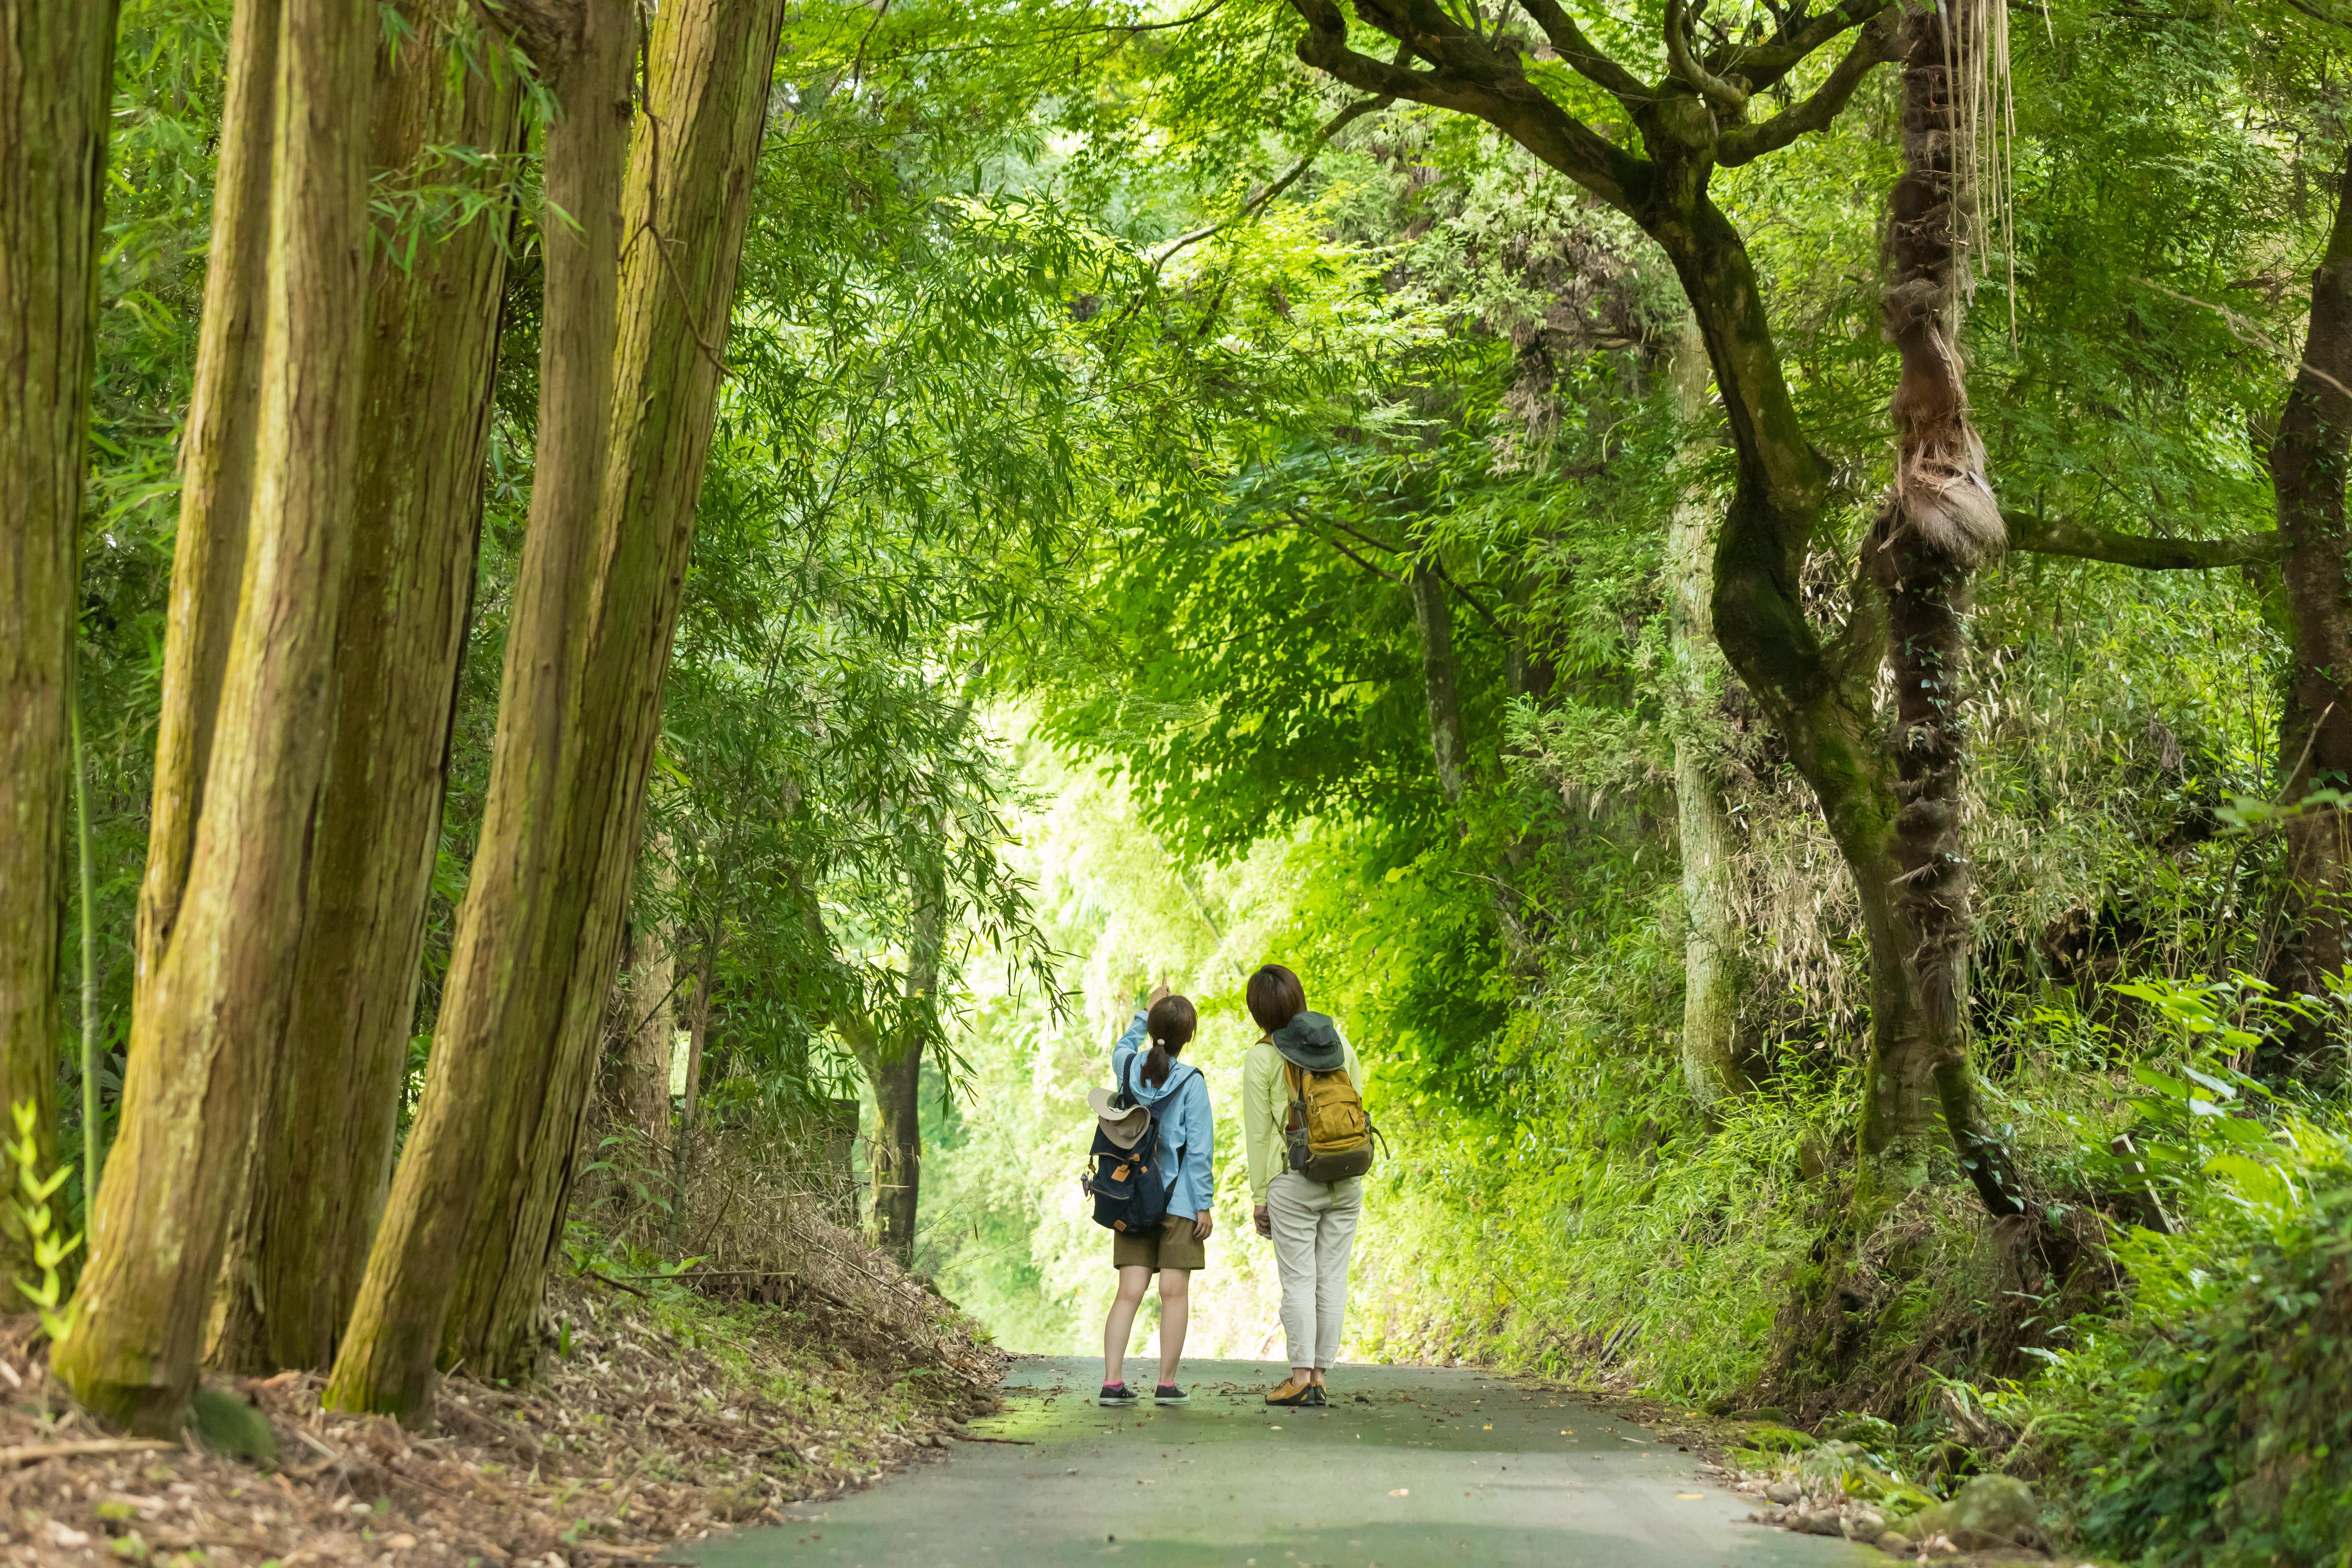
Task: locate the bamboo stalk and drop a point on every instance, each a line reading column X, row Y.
column 93, row 1141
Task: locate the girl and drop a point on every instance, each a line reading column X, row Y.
column 1179, row 1096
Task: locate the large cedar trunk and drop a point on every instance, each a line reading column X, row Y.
column 324, row 1157
column 459, row 1267
column 56, row 82
column 2307, row 476
column 515, row 928
column 712, row 69
column 216, row 455
column 215, row 1005
column 1703, row 832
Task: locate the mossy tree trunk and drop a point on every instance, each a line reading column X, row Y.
column 1703, row 832
column 893, row 1061
column 1440, row 681
column 204, row 1029
column 216, row 476
column 515, row 929
column 710, row 72
column 56, row 86
column 476, row 1209
column 2308, row 464
column 323, row 1159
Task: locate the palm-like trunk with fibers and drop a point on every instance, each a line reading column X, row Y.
column 1939, row 519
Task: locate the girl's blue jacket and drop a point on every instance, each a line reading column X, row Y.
column 1187, row 1139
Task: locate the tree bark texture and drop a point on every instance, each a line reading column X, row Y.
column 2308, row 463
column 710, row 71
column 323, row 1159
column 1711, row 1069
column 1439, row 683
column 56, row 86
column 216, row 474
column 651, row 1044
column 895, row 1068
column 204, row 1033
column 516, row 928
column 477, row 1210
column 1938, row 520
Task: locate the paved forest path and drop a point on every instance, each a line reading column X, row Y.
column 1429, row 1465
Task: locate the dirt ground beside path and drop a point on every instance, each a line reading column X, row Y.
column 664, row 1417
column 1409, row 1466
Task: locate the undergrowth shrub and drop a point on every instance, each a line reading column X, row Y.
column 2240, row 1451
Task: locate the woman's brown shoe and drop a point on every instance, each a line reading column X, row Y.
column 1315, row 1395
column 1294, row 1391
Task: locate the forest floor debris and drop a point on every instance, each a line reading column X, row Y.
column 659, row 1416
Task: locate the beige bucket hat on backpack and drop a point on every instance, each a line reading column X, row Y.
column 1122, row 1127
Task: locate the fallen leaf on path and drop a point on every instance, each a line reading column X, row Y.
column 1401, row 1491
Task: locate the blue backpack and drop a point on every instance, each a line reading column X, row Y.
column 1123, row 1175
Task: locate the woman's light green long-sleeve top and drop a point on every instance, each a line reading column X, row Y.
column 1266, row 1106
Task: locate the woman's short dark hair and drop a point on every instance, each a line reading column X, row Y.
column 1275, row 997
column 1170, row 1023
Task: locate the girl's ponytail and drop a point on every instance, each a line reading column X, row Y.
column 1171, row 1023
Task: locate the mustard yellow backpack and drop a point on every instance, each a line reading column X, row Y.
column 1329, row 1133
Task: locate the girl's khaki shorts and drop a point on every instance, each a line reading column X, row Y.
column 1172, row 1245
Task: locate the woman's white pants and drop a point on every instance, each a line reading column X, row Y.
column 1314, row 1231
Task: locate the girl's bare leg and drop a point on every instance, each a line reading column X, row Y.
column 1175, row 1313
column 1120, row 1326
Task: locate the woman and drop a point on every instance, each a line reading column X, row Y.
column 1179, row 1097
column 1312, row 1223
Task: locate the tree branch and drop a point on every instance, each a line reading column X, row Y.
column 1766, row 63
column 2038, row 535
column 1256, row 204
column 1726, row 95
column 1468, row 598
column 1353, row 555
column 1876, row 45
column 1476, row 81
column 1573, row 47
